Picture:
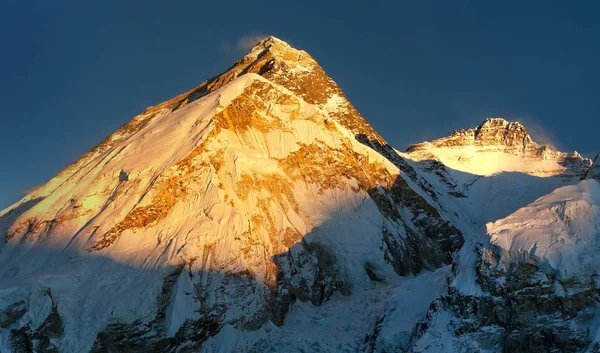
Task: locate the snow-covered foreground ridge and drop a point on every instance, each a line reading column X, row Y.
column 259, row 212
column 561, row 229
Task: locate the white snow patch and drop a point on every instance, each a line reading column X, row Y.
column 562, row 229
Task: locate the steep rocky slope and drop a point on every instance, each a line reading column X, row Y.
column 594, row 171
column 213, row 215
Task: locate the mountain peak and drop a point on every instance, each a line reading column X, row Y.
column 497, row 139
column 498, row 131
column 270, row 40
column 274, row 51
column 495, row 131
column 273, row 45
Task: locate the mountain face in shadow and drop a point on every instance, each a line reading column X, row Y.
column 260, row 212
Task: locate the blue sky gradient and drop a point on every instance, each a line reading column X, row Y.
column 72, row 72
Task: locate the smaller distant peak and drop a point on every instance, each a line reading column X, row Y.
column 493, row 131
column 502, row 124
column 499, row 131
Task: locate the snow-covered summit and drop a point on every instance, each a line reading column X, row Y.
column 492, row 132
column 273, row 44
column 497, row 146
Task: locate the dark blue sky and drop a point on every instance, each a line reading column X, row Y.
column 72, row 72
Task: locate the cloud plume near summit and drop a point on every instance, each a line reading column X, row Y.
column 243, row 43
column 247, row 41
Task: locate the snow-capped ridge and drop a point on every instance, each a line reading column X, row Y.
column 561, row 229
column 496, row 146
column 497, row 132
column 491, row 132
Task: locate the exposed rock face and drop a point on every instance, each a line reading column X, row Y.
column 594, row 171
column 524, row 309
column 497, row 131
column 29, row 338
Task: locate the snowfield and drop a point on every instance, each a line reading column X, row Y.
column 561, row 229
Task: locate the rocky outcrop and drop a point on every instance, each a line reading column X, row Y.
column 430, row 241
column 522, row 309
column 25, row 339
column 594, row 170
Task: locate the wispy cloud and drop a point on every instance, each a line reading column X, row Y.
column 242, row 44
column 538, row 132
column 32, row 189
column 247, row 41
